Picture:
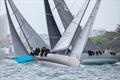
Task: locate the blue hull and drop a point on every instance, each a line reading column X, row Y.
column 24, row 59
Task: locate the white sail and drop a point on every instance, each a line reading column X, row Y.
column 32, row 38
column 19, row 48
column 59, row 8
column 68, row 35
column 83, row 37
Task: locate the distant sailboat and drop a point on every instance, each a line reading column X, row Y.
column 33, row 39
column 19, row 48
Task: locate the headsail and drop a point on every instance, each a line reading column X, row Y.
column 19, row 48
column 53, row 31
column 33, row 38
column 69, row 33
column 83, row 36
column 66, row 18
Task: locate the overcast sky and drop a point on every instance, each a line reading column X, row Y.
column 33, row 10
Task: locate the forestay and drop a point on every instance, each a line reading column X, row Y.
column 19, row 48
column 83, row 36
column 33, row 38
column 69, row 33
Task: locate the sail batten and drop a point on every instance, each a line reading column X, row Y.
column 19, row 48
column 83, row 36
column 66, row 39
column 33, row 38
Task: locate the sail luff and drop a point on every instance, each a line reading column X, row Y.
column 83, row 36
column 68, row 35
column 66, row 18
column 19, row 48
column 53, row 31
column 33, row 38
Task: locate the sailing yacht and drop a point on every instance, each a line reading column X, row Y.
column 66, row 18
column 67, row 37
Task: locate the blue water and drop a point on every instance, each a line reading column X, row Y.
column 10, row 70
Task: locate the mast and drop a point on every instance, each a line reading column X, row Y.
column 83, row 36
column 19, row 48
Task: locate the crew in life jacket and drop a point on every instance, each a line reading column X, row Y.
column 90, row 52
column 37, row 51
column 100, row 52
column 44, row 51
column 97, row 53
column 112, row 53
column 32, row 52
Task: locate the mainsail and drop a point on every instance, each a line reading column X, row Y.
column 69, row 33
column 33, row 38
column 83, row 36
column 66, row 18
column 54, row 34
column 19, row 48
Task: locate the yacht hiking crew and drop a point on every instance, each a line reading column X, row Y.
column 91, row 53
column 43, row 52
column 32, row 52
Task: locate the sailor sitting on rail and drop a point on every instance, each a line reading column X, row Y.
column 44, row 51
column 37, row 51
column 32, row 52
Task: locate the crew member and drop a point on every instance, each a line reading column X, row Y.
column 42, row 51
column 46, row 52
column 32, row 52
column 37, row 51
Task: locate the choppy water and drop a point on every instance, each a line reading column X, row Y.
column 10, row 70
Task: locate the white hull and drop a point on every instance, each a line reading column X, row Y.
column 60, row 59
